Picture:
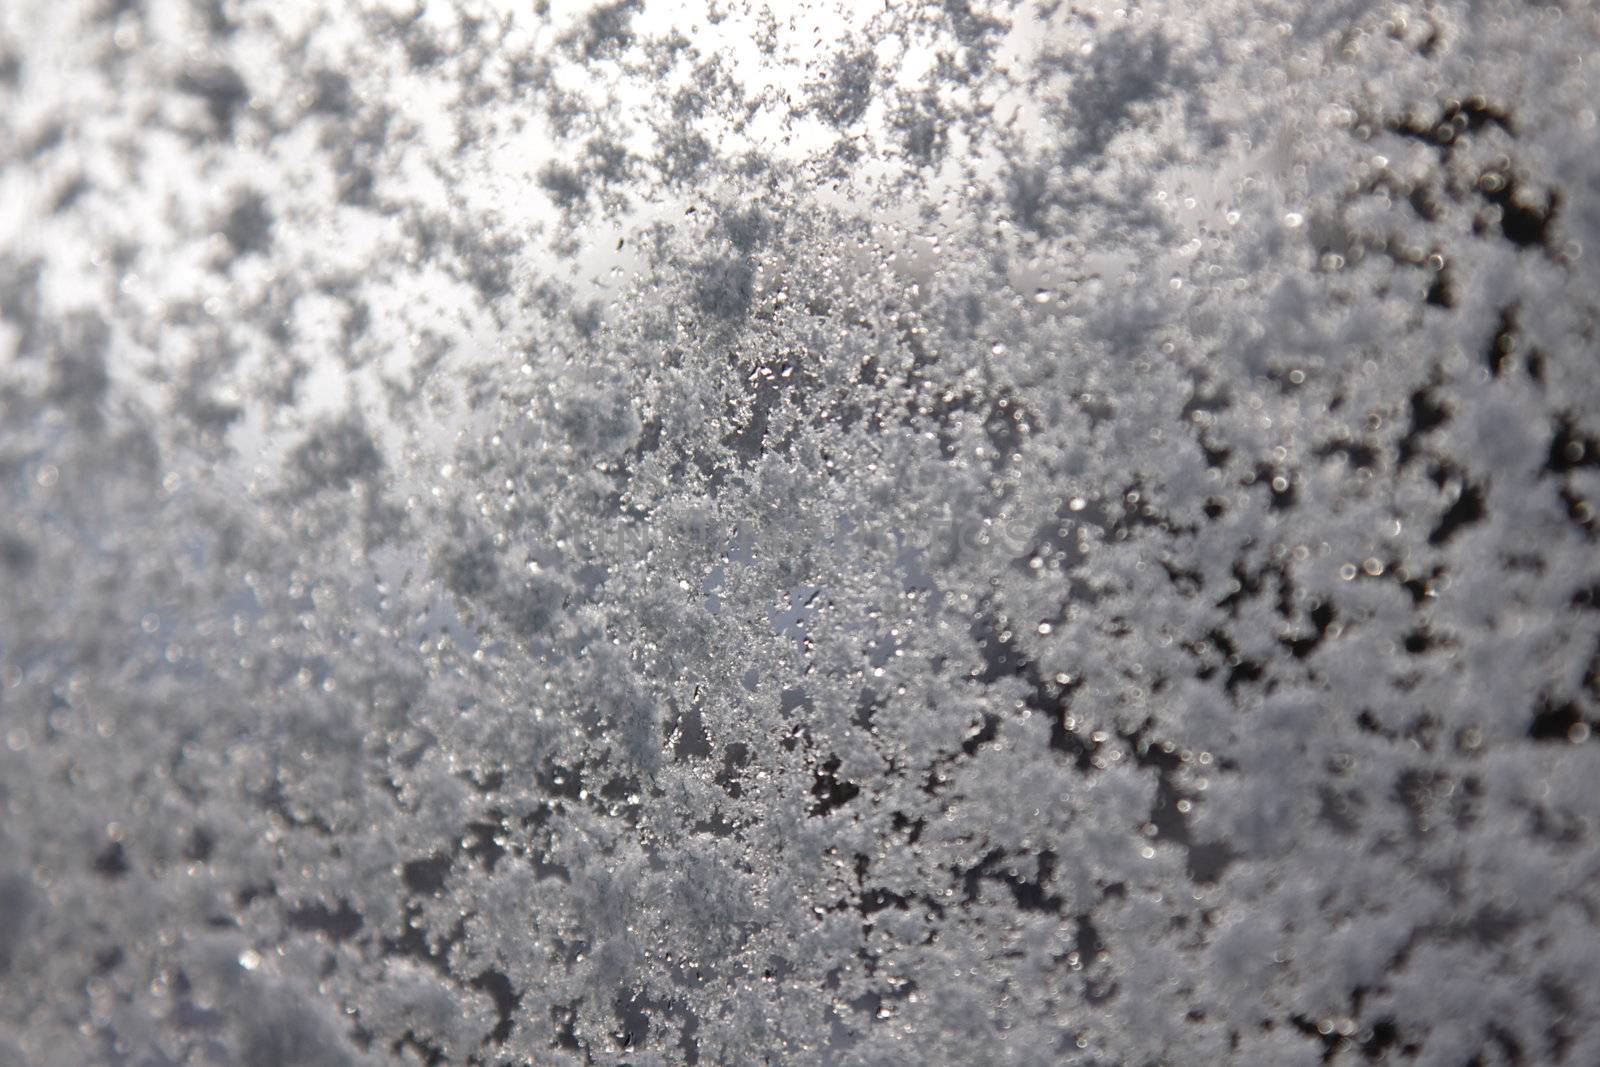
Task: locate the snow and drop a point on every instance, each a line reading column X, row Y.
column 798, row 533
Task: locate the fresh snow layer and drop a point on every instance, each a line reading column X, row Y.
column 801, row 533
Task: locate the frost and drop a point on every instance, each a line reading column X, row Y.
column 672, row 533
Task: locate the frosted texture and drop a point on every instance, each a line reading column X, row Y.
column 862, row 535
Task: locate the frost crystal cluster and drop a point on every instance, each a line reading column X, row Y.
column 1020, row 533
